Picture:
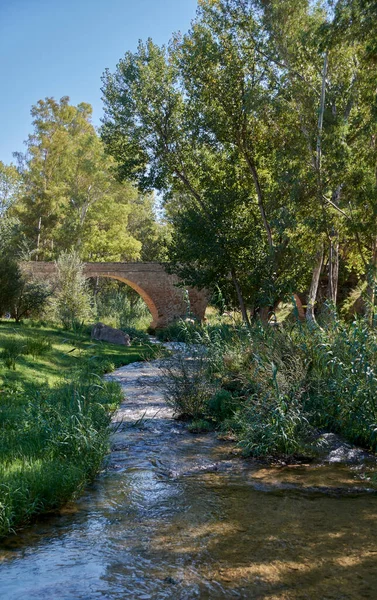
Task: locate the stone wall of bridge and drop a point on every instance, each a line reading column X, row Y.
column 159, row 289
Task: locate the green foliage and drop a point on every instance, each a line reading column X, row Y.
column 270, row 387
column 10, row 187
column 200, row 426
column 185, row 384
column 71, row 303
column 343, row 382
column 32, row 296
column 20, row 295
column 152, row 233
column 10, row 238
column 16, row 345
column 11, row 350
column 222, row 405
column 137, row 337
column 53, row 441
column 258, row 128
column 10, row 283
column 70, row 196
column 272, row 424
column 119, row 306
column 178, row 331
column 37, row 345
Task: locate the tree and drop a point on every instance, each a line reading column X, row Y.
column 325, row 81
column 20, row 295
column 257, row 126
column 10, row 187
column 71, row 302
column 174, row 120
column 10, row 283
column 148, row 129
column 153, row 233
column 71, row 195
column 31, row 298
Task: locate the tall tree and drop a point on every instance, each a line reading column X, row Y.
column 260, row 110
column 323, row 75
column 71, row 196
column 10, row 187
column 163, row 135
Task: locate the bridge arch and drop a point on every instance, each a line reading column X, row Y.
column 147, row 299
column 159, row 289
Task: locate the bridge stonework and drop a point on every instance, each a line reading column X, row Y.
column 159, row 289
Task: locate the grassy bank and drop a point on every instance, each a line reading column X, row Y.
column 54, row 414
column 273, row 388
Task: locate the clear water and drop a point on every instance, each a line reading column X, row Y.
column 180, row 516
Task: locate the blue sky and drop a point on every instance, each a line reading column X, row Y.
column 61, row 48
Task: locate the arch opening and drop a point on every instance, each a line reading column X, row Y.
column 150, row 306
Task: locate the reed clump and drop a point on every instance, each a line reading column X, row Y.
column 272, row 387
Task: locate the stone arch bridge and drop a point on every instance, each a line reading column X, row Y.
column 159, row 289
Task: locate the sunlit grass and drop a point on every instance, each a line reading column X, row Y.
column 68, row 350
column 55, row 410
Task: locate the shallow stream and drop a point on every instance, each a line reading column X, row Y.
column 178, row 515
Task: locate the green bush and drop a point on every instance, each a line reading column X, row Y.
column 12, row 349
column 179, row 331
column 222, row 405
column 342, row 382
column 200, row 426
column 118, row 305
column 272, row 386
column 186, row 385
column 137, row 336
column 271, row 425
column 71, row 302
column 37, row 345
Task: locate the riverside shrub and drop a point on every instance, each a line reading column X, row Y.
column 285, row 382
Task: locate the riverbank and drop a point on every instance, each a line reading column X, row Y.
column 182, row 515
column 54, row 413
column 273, row 389
column 334, row 466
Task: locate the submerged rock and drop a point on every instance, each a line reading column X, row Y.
column 333, row 449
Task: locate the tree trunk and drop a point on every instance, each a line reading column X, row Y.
column 299, row 309
column 38, row 237
column 96, row 287
column 258, row 189
column 241, row 302
column 264, row 314
column 310, row 316
column 320, row 116
column 332, row 290
column 372, row 285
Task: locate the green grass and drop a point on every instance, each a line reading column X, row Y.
column 68, row 351
column 55, row 411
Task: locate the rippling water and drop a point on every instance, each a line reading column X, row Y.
column 176, row 515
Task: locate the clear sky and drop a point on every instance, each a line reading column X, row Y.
column 61, row 48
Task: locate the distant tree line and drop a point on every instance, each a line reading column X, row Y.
column 63, row 193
